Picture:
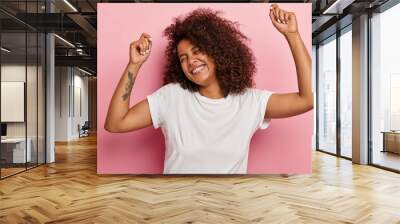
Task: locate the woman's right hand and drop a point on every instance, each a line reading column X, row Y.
column 140, row 49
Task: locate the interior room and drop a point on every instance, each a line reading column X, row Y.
column 49, row 127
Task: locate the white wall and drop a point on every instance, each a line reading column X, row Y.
column 16, row 73
column 33, row 127
column 62, row 80
column 80, row 84
column 70, row 83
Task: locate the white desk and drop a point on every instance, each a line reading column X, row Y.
column 18, row 149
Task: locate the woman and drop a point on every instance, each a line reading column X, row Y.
column 207, row 109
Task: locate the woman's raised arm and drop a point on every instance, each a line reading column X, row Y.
column 290, row 104
column 121, row 118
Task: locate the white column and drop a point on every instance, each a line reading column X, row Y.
column 50, row 100
column 360, row 90
column 50, row 92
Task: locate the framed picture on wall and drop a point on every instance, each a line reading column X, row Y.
column 12, row 101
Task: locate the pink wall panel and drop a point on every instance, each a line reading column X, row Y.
column 285, row 147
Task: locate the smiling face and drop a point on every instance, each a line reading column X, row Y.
column 197, row 66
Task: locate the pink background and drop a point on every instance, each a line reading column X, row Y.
column 285, row 147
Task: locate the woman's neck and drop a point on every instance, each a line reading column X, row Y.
column 212, row 91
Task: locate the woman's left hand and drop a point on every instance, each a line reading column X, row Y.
column 285, row 22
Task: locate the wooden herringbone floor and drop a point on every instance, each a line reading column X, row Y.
column 70, row 191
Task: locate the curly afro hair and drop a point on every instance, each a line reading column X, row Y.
column 221, row 40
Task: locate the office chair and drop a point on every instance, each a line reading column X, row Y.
column 84, row 130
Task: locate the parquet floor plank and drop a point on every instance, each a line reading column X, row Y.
column 70, row 191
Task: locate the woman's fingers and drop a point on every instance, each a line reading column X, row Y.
column 283, row 20
column 144, row 43
column 135, row 46
column 276, row 13
column 145, row 35
column 287, row 17
column 148, row 45
column 273, row 17
column 274, row 7
column 141, row 48
column 281, row 16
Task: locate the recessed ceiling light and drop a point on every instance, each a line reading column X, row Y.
column 84, row 71
column 70, row 5
column 5, row 50
column 64, row 40
column 337, row 7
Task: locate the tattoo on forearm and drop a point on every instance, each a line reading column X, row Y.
column 128, row 87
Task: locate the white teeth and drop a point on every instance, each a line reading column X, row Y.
column 198, row 69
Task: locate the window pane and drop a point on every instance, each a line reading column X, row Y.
column 314, row 72
column 346, row 94
column 386, row 88
column 327, row 96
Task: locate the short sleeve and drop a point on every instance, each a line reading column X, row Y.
column 158, row 102
column 262, row 101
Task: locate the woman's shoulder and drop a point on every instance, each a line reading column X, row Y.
column 268, row 91
column 171, row 89
column 249, row 92
column 252, row 95
column 170, row 86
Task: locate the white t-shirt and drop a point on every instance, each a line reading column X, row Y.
column 204, row 135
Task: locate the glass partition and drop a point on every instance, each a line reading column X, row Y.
column 31, row 100
column 22, row 88
column 13, row 99
column 385, row 89
column 41, row 87
column 327, row 95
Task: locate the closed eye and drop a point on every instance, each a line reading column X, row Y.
column 196, row 51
